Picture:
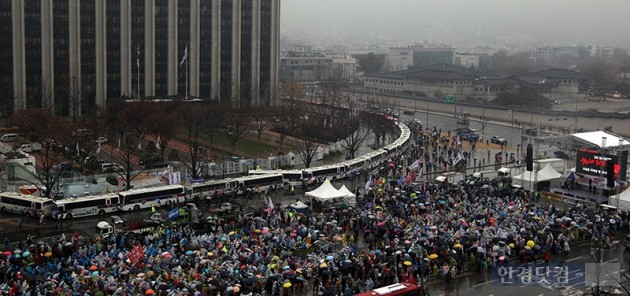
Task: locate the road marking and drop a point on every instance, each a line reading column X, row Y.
column 611, row 260
column 573, row 259
column 481, row 284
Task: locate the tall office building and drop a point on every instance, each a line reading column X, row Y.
column 73, row 55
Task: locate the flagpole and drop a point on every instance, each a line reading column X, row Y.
column 138, row 64
column 186, row 74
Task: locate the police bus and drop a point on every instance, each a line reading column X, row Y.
column 84, row 206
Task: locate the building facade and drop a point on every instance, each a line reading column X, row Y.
column 73, row 55
column 467, row 84
column 311, row 67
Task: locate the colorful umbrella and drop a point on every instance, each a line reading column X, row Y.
column 407, row 263
column 286, row 285
column 93, row 268
column 433, row 256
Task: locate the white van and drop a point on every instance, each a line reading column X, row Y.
column 28, row 148
column 108, row 167
column 9, row 137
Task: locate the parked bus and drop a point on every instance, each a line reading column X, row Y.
column 293, row 177
column 144, row 198
column 334, row 171
column 84, row 206
column 209, row 189
column 401, row 289
column 269, row 180
column 18, row 203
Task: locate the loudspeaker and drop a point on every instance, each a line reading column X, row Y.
column 529, row 158
column 610, row 173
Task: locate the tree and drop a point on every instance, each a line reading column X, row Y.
column 370, row 63
column 164, row 126
column 134, row 119
column 47, row 169
column 261, row 120
column 524, row 96
column 356, row 135
column 215, row 115
column 35, row 124
column 284, row 122
column 308, row 145
column 193, row 119
column 604, row 81
column 237, row 125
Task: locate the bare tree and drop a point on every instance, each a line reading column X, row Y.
column 261, row 120
column 357, row 133
column 193, row 122
column 308, row 145
column 237, row 125
column 164, row 125
column 214, row 121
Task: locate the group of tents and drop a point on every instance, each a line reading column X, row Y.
column 326, row 193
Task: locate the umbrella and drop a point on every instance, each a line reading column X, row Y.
column 275, row 258
column 502, row 258
column 149, row 292
column 26, row 253
column 286, row 285
column 47, row 254
column 433, row 256
column 189, row 252
column 323, row 265
column 407, row 263
column 457, row 246
column 511, row 245
column 93, row 268
column 167, row 254
column 7, row 253
column 329, row 257
column 17, row 251
column 95, row 273
column 531, row 244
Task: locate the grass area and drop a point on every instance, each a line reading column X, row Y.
column 247, row 147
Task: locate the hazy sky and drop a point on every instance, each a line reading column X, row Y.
column 548, row 22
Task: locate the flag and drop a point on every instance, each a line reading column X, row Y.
column 157, row 143
column 138, row 57
column 118, row 148
column 98, row 150
column 270, row 203
column 457, row 159
column 136, row 254
column 415, row 165
column 140, row 145
column 325, row 122
column 368, row 183
column 408, row 179
column 185, row 57
column 167, row 170
column 78, row 150
column 459, row 142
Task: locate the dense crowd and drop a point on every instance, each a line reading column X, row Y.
column 398, row 231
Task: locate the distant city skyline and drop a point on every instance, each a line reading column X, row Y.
column 469, row 23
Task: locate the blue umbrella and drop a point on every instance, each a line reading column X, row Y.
column 189, row 252
column 26, row 253
column 329, row 257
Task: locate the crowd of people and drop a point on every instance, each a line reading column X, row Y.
column 398, row 231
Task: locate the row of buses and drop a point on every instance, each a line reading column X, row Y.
column 137, row 199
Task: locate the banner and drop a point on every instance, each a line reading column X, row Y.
column 136, row 254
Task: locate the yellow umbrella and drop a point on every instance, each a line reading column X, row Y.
column 457, row 246
column 272, row 266
column 323, row 265
column 531, row 243
column 232, row 232
column 258, row 231
column 407, row 263
column 47, row 254
column 511, row 245
column 286, row 285
column 433, row 256
column 276, row 258
column 528, row 247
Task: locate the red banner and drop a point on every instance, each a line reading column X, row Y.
column 136, row 254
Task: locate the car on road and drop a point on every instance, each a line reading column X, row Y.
column 149, row 159
column 497, row 140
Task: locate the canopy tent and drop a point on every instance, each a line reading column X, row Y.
column 572, row 175
column 440, row 178
column 325, row 192
column 548, row 173
column 504, row 170
column 299, row 207
column 345, row 190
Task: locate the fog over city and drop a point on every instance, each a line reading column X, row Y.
column 522, row 23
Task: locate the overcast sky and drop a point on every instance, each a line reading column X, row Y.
column 544, row 22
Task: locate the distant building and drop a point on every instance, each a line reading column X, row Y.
column 402, row 58
column 465, row 83
column 548, row 53
column 472, row 60
column 310, row 67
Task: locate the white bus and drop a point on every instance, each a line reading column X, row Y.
column 293, row 177
column 84, row 206
column 208, row 189
column 334, row 171
column 144, row 198
column 269, row 180
column 18, row 203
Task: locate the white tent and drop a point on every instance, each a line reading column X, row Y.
column 325, row 192
column 299, row 206
column 548, row 173
column 345, row 190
